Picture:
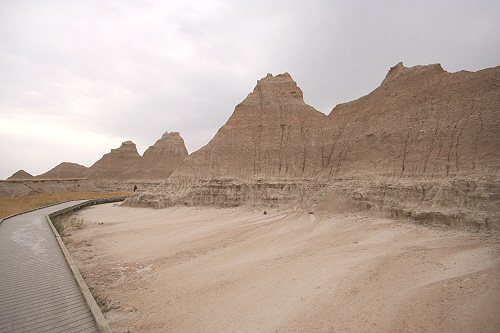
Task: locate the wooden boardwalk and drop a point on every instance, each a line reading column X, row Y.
column 38, row 291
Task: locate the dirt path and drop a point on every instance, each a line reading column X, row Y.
column 231, row 270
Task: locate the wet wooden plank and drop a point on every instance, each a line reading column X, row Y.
column 38, row 292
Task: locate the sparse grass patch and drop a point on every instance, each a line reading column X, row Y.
column 10, row 206
column 58, row 223
column 66, row 222
column 77, row 223
column 101, row 299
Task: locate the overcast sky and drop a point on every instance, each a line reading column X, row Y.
column 79, row 77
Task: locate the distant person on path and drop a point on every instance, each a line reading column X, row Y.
column 135, row 188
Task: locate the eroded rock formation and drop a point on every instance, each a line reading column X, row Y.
column 65, row 170
column 271, row 133
column 122, row 169
column 21, row 174
column 421, row 121
column 161, row 159
column 423, row 145
column 17, row 188
column 120, row 163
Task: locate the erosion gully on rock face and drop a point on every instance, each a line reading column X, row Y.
column 38, row 291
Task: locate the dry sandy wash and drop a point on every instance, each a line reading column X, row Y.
column 186, row 269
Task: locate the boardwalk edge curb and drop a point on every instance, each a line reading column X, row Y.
column 32, row 210
column 101, row 322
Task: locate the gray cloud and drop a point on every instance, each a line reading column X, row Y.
column 94, row 73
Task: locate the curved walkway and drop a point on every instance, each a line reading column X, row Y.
column 38, row 291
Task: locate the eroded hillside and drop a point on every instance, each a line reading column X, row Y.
column 422, row 145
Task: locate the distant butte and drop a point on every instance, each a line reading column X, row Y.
column 117, row 164
column 21, row 174
column 65, row 170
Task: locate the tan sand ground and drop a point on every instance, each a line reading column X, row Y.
column 234, row 270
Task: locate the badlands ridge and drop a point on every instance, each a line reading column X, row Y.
column 424, row 145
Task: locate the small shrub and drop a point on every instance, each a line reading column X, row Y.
column 76, row 223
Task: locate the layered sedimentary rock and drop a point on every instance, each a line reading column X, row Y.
column 266, row 153
column 421, row 121
column 225, row 192
column 21, row 174
column 271, row 133
column 161, row 159
column 123, row 169
column 120, row 163
column 17, row 188
column 65, row 170
column 453, row 201
column 424, row 145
